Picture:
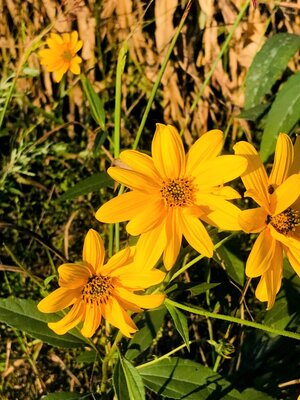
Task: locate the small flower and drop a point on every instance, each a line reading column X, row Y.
column 170, row 191
column 61, row 55
column 277, row 220
column 95, row 290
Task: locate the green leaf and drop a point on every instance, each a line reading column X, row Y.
column 234, row 266
column 91, row 184
column 87, row 356
column 252, row 394
column 180, row 322
column 185, row 379
column 279, row 316
column 268, row 65
column 194, row 287
column 127, row 381
column 252, row 114
column 97, row 108
column 283, row 115
column 63, row 396
column 23, row 315
column 149, row 327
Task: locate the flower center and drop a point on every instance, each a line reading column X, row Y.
column 284, row 222
column 178, row 192
column 67, row 55
column 97, row 289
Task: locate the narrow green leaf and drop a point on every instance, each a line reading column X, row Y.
column 268, row 65
column 127, row 381
column 23, row 315
column 91, row 184
column 194, row 287
column 97, row 108
column 235, row 268
column 284, row 114
column 64, row 396
column 176, row 378
column 180, row 321
column 252, row 114
column 149, row 326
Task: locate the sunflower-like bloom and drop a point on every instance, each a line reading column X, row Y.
column 277, row 219
column 61, row 55
column 97, row 290
column 170, row 191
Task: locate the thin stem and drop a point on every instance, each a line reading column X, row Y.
column 160, row 74
column 236, row 320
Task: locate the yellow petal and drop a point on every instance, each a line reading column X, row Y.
column 227, row 192
column 255, row 177
column 154, row 214
column 150, row 247
column 286, row 194
column 261, row 255
column 74, row 38
column 116, row 316
column 73, row 276
column 195, row 233
column 253, row 220
column 123, row 207
column 219, row 212
column 136, row 279
column 58, row 300
column 283, row 159
column 295, row 167
column 78, row 46
column 168, row 152
column 134, row 180
column 70, row 320
column 58, row 74
column 218, row 171
column 55, row 40
column 293, row 254
column 117, row 261
column 143, row 301
column 66, row 37
column 141, row 163
column 93, row 250
column 92, row 319
column 288, row 241
column 207, row 147
column 74, row 67
column 174, row 238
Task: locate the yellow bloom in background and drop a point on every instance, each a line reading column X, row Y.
column 61, row 55
column 170, row 191
column 277, row 219
column 97, row 290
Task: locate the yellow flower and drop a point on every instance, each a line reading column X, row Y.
column 61, row 55
column 277, row 218
column 170, row 191
column 97, row 290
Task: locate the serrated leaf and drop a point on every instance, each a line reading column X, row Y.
column 185, row 379
column 23, row 315
column 268, row 65
column 91, row 184
column 180, row 322
column 148, row 329
column 63, row 396
column 283, row 115
column 234, row 266
column 96, row 104
column 127, row 381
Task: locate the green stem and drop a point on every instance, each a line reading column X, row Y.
column 106, row 360
column 236, row 320
column 160, row 74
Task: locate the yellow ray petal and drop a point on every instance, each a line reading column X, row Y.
column 219, row 212
column 295, row 167
column 116, row 261
column 286, row 194
column 127, row 305
column 92, row 320
column 73, row 276
column 78, row 46
column 123, row 207
column 261, row 255
column 154, row 214
column 195, row 233
column 227, row 192
column 150, row 246
column 58, row 300
column 117, row 317
column 136, row 279
column 283, row 159
column 74, row 67
column 54, row 40
column 207, row 147
column 253, row 220
column 70, row 320
column 141, row 163
column 168, row 152
column 255, row 177
column 134, row 180
column 60, row 72
column 73, row 38
column 293, row 254
column 174, row 238
column 288, row 241
column 218, row 171
column 93, row 250
column 143, row 301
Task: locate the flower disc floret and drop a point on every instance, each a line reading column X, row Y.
column 178, row 192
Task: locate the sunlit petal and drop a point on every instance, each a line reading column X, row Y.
column 286, row 194
column 174, row 235
column 283, row 159
column 93, row 249
column 253, row 220
column 295, row 167
column 141, row 163
column 144, row 301
column 73, row 276
column 134, row 180
column 92, row 320
column 70, row 320
column 140, row 279
column 58, row 300
column 117, row 317
column 227, row 192
column 293, row 254
column 116, row 261
column 150, row 246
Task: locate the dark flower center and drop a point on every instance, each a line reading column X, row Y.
column 178, row 192
column 67, row 55
column 284, row 222
column 97, row 289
